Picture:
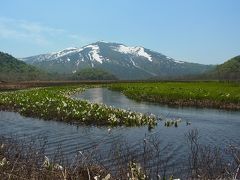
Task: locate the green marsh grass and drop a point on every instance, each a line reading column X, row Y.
column 55, row 103
column 202, row 94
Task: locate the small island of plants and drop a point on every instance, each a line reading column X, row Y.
column 55, row 103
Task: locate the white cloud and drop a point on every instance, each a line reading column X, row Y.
column 27, row 31
column 36, row 33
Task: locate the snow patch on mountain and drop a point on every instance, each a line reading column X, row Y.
column 94, row 53
column 64, row 52
column 176, row 61
column 45, row 57
column 79, row 61
column 133, row 62
column 181, row 62
column 137, row 51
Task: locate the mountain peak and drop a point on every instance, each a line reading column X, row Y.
column 107, row 43
column 137, row 51
column 66, row 50
column 125, row 62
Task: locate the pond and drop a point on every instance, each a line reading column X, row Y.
column 216, row 127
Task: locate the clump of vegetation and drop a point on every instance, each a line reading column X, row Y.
column 209, row 161
column 93, row 74
column 172, row 122
column 136, row 172
column 200, row 94
column 23, row 159
column 55, row 103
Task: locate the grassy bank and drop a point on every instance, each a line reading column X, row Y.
column 55, row 103
column 200, row 94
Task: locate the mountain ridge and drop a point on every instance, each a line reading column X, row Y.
column 12, row 69
column 125, row 62
column 229, row 70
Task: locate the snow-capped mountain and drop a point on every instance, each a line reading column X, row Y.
column 123, row 61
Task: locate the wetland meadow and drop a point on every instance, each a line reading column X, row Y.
column 141, row 130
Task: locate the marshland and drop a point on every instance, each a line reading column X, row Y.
column 121, row 130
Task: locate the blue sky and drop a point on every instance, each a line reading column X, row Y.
column 203, row 31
